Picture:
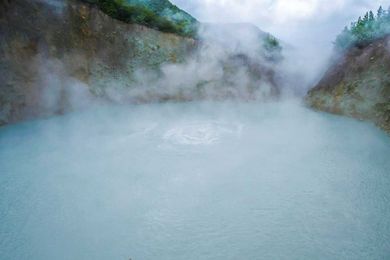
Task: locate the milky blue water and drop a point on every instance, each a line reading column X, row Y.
column 195, row 181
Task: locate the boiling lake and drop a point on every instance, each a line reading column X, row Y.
column 195, row 181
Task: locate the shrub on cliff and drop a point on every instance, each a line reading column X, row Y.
column 139, row 14
column 271, row 43
column 273, row 48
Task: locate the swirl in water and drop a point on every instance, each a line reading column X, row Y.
column 200, row 133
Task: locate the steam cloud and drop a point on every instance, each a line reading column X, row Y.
column 230, row 61
column 309, row 26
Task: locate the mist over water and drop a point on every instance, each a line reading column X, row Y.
column 195, row 181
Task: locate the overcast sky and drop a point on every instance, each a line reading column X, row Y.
column 315, row 22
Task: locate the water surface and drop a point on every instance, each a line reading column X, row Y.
column 195, row 181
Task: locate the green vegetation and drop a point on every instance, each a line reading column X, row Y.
column 272, row 47
column 159, row 15
column 271, row 43
column 365, row 30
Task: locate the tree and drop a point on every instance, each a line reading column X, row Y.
column 380, row 12
column 365, row 18
column 371, row 17
column 359, row 22
column 387, row 14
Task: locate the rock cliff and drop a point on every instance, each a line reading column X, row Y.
column 60, row 44
column 59, row 55
column 357, row 84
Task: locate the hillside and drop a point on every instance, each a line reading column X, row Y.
column 357, row 84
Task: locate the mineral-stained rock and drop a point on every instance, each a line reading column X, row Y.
column 357, row 85
column 47, row 46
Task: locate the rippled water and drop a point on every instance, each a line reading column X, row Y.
column 195, row 181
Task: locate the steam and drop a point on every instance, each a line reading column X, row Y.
column 229, row 60
column 306, row 29
column 309, row 27
column 58, row 6
column 59, row 92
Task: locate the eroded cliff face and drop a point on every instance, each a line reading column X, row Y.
column 357, row 85
column 59, row 54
